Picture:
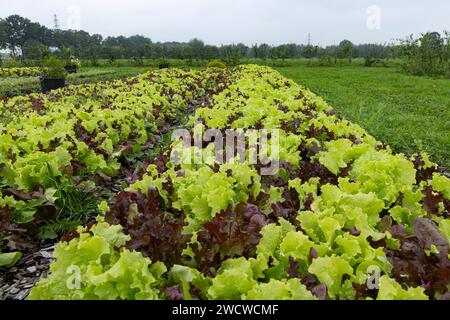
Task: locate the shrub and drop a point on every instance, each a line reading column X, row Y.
column 326, row 61
column 54, row 69
column 94, row 60
column 216, row 64
column 73, row 62
column 428, row 55
column 374, row 62
column 164, row 64
column 137, row 61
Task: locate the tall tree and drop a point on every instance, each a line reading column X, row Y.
column 3, row 43
column 255, row 51
column 34, row 50
column 231, row 54
column 197, row 48
column 264, row 51
column 310, row 51
column 17, row 32
column 346, row 47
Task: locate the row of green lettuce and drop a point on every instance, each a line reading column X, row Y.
column 20, row 72
column 352, row 194
column 81, row 132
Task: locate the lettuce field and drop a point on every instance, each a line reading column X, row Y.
column 91, row 168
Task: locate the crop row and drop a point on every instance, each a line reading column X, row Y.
column 85, row 135
column 342, row 218
column 20, row 72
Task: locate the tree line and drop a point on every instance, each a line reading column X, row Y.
column 428, row 54
column 31, row 40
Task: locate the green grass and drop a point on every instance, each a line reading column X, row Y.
column 411, row 114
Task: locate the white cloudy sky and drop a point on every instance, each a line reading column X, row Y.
column 247, row 21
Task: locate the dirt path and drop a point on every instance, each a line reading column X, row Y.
column 17, row 282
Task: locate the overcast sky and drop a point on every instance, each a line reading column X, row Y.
column 248, row 21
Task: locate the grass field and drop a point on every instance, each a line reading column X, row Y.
column 409, row 113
